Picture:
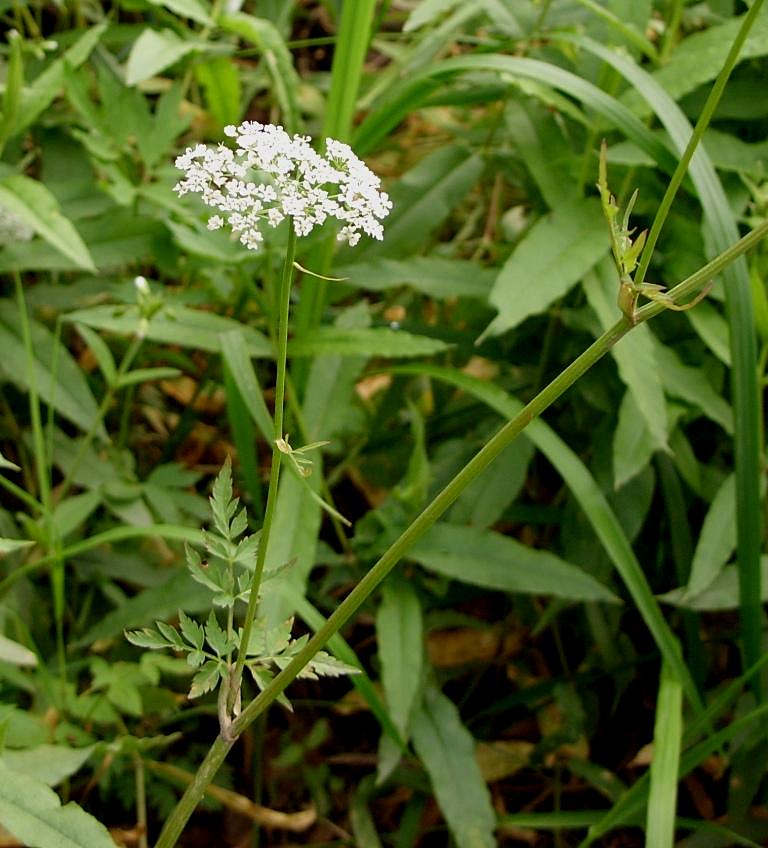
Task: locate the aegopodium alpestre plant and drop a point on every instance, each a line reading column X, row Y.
column 270, row 177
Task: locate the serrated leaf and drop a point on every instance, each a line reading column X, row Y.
column 239, row 524
column 221, row 498
column 34, row 204
column 191, row 630
column 215, row 636
column 447, row 751
column 205, row 680
column 325, row 665
column 172, row 635
column 146, row 638
column 32, row 812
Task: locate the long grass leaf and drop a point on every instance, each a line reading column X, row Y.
column 662, row 799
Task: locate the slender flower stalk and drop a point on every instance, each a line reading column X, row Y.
column 284, row 301
column 269, row 177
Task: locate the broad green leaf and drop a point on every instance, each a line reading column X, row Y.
column 717, row 539
column 70, row 514
column 541, row 144
column 712, row 328
column 667, row 738
column 263, row 34
column 220, row 80
column 15, row 653
column 293, row 537
column 721, row 594
column 329, row 396
column 66, row 390
column 422, row 199
column 632, row 442
column 33, row 203
column 699, row 57
column 369, row 341
column 691, row 385
column 235, row 354
column 180, row 325
column 635, row 356
column 32, row 812
column 483, row 502
column 551, row 258
column 195, row 10
column 434, row 276
column 447, row 750
column 487, row 559
column 154, row 51
column 114, row 239
column 400, row 635
column 49, row 764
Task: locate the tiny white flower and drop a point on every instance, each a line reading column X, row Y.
column 272, row 175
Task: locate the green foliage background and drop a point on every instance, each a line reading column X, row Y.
column 599, row 588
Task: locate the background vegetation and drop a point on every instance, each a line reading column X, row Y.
column 590, row 605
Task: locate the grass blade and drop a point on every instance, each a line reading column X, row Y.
column 667, row 734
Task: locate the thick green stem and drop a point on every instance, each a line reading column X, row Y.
column 174, row 824
column 284, row 303
column 429, row 516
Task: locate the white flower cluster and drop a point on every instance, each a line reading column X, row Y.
column 12, row 228
column 272, row 175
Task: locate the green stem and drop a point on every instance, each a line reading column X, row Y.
column 174, row 824
column 41, row 463
column 106, row 402
column 693, row 142
column 284, row 303
column 425, row 520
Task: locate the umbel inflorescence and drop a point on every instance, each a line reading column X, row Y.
column 272, row 175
